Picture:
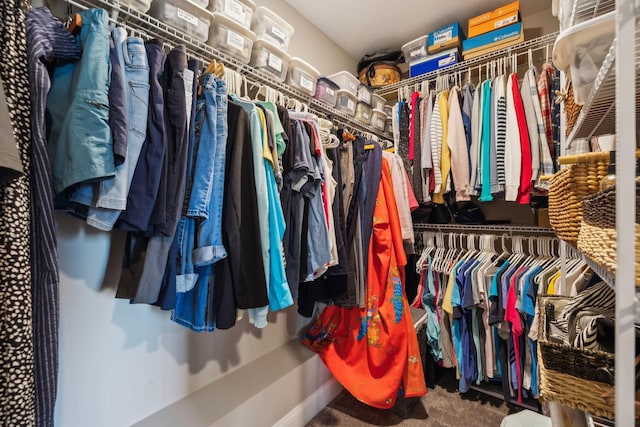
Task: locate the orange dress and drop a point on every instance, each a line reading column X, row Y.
column 373, row 351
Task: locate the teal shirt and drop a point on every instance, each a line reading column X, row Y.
column 485, row 194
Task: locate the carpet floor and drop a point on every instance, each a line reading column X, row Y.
column 440, row 407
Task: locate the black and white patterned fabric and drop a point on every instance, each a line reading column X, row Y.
column 17, row 383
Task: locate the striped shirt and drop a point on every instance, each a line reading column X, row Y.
column 545, row 83
column 47, row 39
column 436, row 143
column 501, row 128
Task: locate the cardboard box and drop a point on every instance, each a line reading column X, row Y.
column 493, row 47
column 507, row 19
column 493, row 38
column 435, row 62
column 494, row 15
column 445, row 38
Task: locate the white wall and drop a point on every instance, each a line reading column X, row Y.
column 120, row 362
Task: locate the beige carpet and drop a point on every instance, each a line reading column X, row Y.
column 442, row 406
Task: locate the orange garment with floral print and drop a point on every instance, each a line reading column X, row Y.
column 373, row 352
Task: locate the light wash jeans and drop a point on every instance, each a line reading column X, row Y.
column 109, row 197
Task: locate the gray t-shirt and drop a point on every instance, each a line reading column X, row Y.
column 10, row 164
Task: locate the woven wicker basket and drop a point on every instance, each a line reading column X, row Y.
column 571, row 376
column 567, row 189
column 571, row 109
column 598, row 235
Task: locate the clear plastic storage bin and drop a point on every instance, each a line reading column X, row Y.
column 378, row 118
column 240, row 11
column 141, row 5
column 346, row 81
column 265, row 56
column 580, row 52
column 378, row 102
column 231, row 38
column 302, row 76
column 346, row 102
column 415, row 50
column 388, row 125
column 327, row 91
column 183, row 15
column 363, row 112
column 268, row 25
column 364, row 93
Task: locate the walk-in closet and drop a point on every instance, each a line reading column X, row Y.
column 291, row 213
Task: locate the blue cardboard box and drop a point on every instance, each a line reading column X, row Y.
column 445, row 38
column 435, row 62
column 500, row 35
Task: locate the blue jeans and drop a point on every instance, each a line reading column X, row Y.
column 80, row 144
column 111, row 195
column 200, row 234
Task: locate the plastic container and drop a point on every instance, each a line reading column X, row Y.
column 268, row 25
column 302, row 76
column 327, row 91
column 580, row 52
column 388, row 125
column 388, row 110
column 363, row 112
column 378, row 119
column 346, row 81
column 378, row 102
column 231, row 38
column 415, row 50
column 266, row 56
column 240, row 11
column 364, row 93
column 183, row 15
column 346, row 102
column 141, row 5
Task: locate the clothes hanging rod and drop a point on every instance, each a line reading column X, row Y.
column 519, row 50
column 148, row 26
column 511, row 229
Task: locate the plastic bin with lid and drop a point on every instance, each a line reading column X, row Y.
column 364, row 93
column 580, row 52
column 266, row 56
column 183, row 15
column 268, row 25
column 240, row 11
column 302, row 76
column 327, row 91
column 346, row 81
column 346, row 102
column 378, row 118
column 231, row 38
column 388, row 125
column 363, row 112
column 378, row 102
column 141, row 5
column 415, row 50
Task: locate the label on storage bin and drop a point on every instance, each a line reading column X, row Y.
column 415, row 53
column 380, row 123
column 330, row 91
column 506, row 21
column 278, row 34
column 275, row 62
column 365, row 116
column 350, row 104
column 186, row 16
column 234, row 10
column 443, row 37
column 306, row 83
column 449, row 59
column 235, row 40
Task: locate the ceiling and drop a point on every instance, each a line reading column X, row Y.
column 367, row 26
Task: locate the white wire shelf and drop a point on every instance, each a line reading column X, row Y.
column 583, row 10
column 510, row 229
column 605, row 275
column 598, row 113
column 148, row 26
column 519, row 49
